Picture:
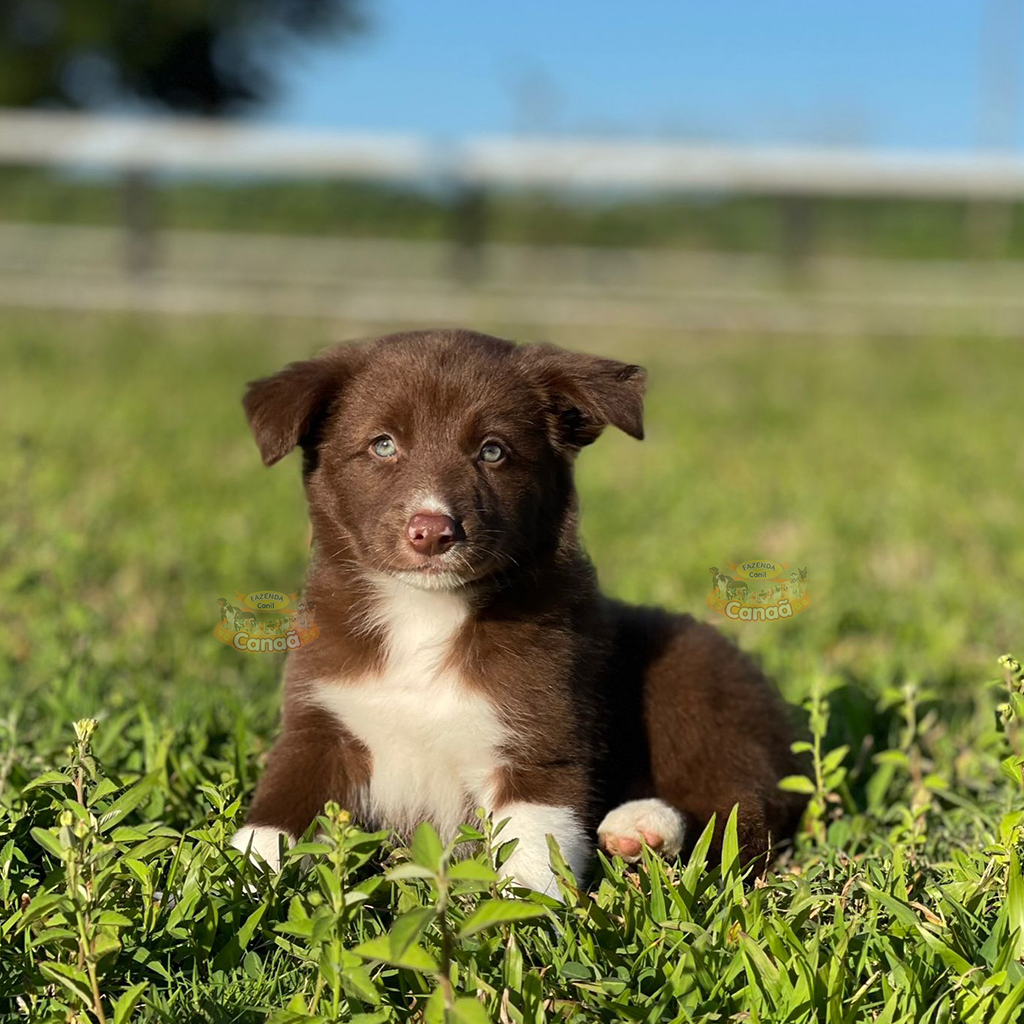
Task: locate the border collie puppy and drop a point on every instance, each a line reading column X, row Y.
column 466, row 656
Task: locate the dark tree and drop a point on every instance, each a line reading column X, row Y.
column 191, row 56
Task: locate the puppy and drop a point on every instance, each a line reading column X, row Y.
column 466, row 656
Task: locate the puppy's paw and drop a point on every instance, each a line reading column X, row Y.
column 530, row 862
column 261, row 841
column 627, row 827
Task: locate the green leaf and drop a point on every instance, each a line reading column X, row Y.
column 74, row 980
column 410, row 870
column 40, row 905
column 1015, row 903
column 426, row 848
column 433, row 1011
column 893, row 757
column 831, row 761
column 559, row 864
column 48, row 841
column 356, row 980
column 236, row 946
column 1007, row 1008
column 796, row 784
column 300, row 850
column 731, row 855
column 899, row 910
column 112, row 917
column 47, row 779
column 492, row 913
column 761, row 966
column 469, row 1011
column 408, row 928
column 127, row 802
column 126, row 1004
column 1011, row 768
column 698, row 861
column 472, row 871
column 949, row 956
column 414, row 957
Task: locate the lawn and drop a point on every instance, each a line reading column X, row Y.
column 132, row 497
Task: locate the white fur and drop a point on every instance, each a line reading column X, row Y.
column 434, row 743
column 531, row 824
column 637, row 816
column 429, row 502
column 262, row 840
column 445, row 580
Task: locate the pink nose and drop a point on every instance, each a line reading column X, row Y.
column 430, row 534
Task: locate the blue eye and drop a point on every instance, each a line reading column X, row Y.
column 385, row 447
column 492, row 453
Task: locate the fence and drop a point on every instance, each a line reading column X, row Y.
column 377, row 281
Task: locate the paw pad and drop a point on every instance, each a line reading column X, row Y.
column 654, row 822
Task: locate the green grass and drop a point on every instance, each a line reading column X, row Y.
column 893, row 228
column 131, row 498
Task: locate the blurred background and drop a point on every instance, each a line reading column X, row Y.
column 806, row 219
column 829, row 170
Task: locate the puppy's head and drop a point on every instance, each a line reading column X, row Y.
column 441, row 457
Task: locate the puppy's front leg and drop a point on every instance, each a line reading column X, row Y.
column 539, row 803
column 531, row 824
column 314, row 761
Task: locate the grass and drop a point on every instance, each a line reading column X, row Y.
column 131, row 498
column 890, row 228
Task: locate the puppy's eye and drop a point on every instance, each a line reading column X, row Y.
column 492, row 453
column 384, row 447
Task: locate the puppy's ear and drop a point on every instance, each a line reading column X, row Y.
column 588, row 393
column 286, row 409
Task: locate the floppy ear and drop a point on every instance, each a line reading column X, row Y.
column 286, row 409
column 589, row 393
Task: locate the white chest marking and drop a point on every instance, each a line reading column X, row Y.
column 435, row 745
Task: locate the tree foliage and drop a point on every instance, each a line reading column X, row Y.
column 192, row 56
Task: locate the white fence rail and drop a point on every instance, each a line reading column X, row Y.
column 139, row 267
column 153, row 145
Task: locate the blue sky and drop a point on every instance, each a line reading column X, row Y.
column 905, row 73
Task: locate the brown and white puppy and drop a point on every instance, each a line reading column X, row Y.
column 466, row 657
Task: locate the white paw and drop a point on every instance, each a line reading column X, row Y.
column 627, row 827
column 262, row 841
column 530, row 863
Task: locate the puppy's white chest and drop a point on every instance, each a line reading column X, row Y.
column 434, row 744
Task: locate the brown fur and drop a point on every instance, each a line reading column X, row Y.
column 608, row 702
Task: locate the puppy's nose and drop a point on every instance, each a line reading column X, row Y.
column 430, row 534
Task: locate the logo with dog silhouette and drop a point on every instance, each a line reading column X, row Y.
column 266, row 621
column 758, row 590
